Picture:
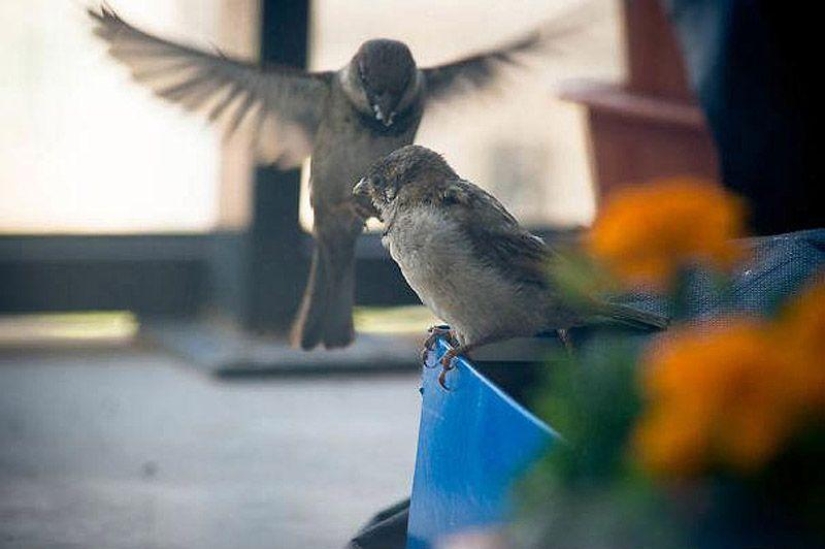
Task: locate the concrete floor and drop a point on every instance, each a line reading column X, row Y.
column 131, row 449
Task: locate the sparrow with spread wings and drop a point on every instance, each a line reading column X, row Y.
column 344, row 119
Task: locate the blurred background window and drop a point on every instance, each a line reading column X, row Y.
column 111, row 199
column 85, row 150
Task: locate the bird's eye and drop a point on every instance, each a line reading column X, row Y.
column 450, row 199
column 389, row 192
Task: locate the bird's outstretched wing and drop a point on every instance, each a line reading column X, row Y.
column 481, row 70
column 476, row 71
column 282, row 106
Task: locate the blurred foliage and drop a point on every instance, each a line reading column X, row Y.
column 591, row 405
column 710, row 434
column 586, row 493
column 580, row 278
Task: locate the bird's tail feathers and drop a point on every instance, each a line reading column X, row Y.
column 325, row 315
column 308, row 327
column 337, row 326
column 634, row 318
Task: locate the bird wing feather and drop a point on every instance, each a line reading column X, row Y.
column 484, row 69
column 476, row 71
column 283, row 104
column 495, row 235
column 501, row 243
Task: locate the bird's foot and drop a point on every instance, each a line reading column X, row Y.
column 434, row 333
column 565, row 339
column 448, row 359
column 447, row 363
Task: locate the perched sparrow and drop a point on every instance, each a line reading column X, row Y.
column 468, row 259
column 345, row 120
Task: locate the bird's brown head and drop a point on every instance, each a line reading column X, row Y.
column 386, row 72
column 411, row 173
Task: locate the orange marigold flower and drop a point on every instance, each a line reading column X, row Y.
column 801, row 331
column 725, row 397
column 645, row 233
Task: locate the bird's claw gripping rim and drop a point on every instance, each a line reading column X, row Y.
column 447, row 360
column 429, row 344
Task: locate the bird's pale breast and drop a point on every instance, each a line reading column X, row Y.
column 438, row 262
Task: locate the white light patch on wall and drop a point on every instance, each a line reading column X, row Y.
column 82, row 147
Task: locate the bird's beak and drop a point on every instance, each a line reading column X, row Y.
column 382, row 117
column 360, row 188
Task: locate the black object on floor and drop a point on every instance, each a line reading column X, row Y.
column 386, row 530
